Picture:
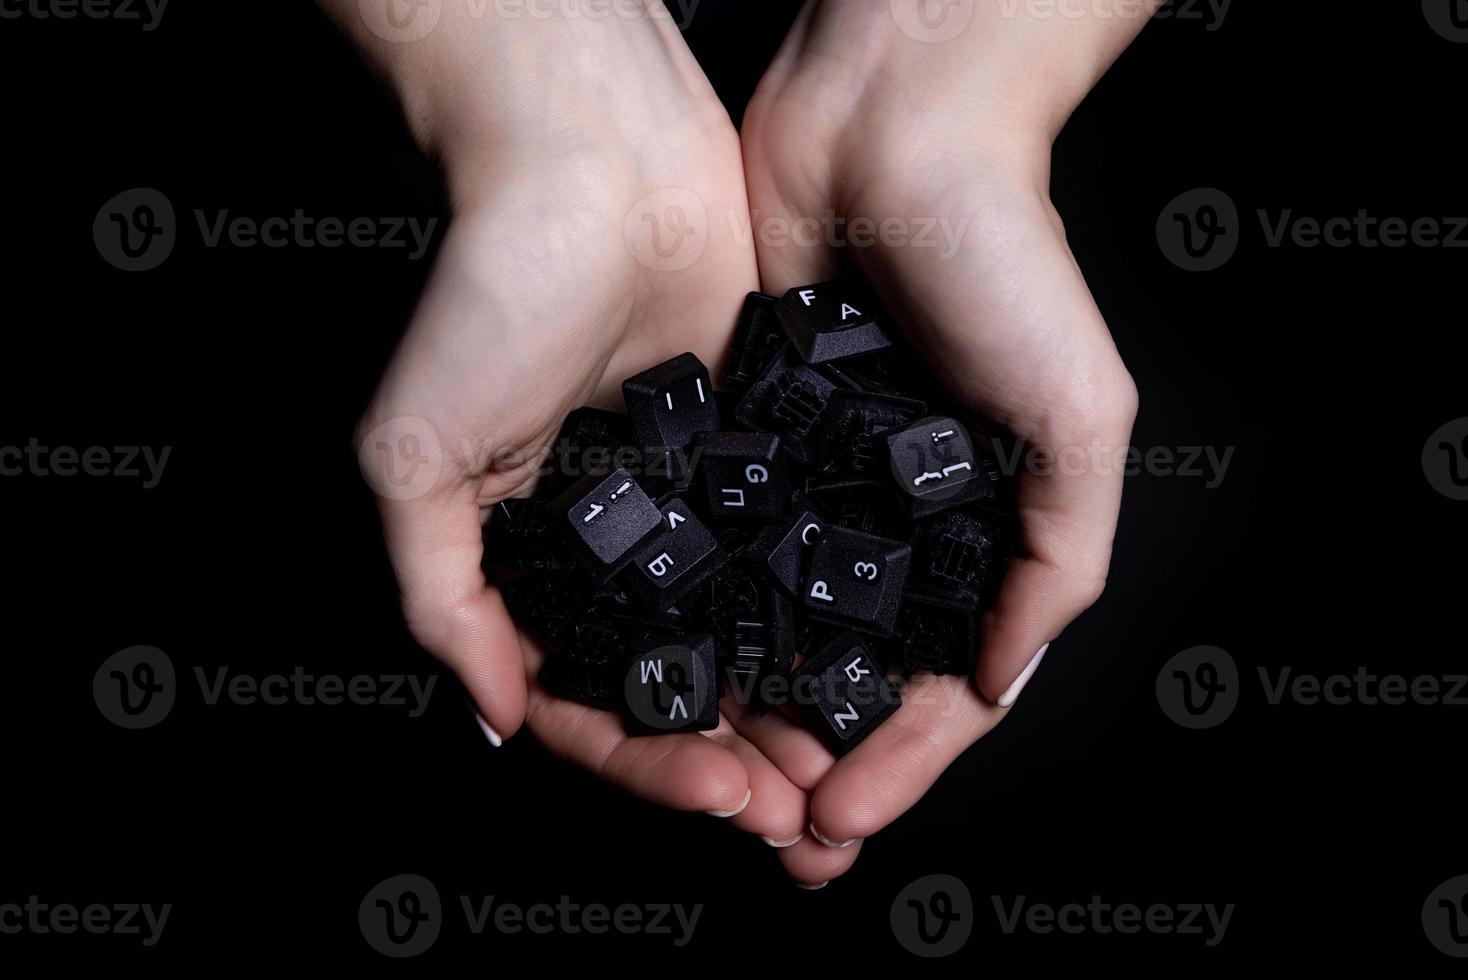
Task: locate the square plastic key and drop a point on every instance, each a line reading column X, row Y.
column 935, row 466
column 857, row 579
column 831, row 320
column 673, row 561
column 606, row 517
column 743, row 475
column 848, row 691
column 673, row 687
column 785, row 549
column 757, row 339
column 669, row 404
column 788, row 398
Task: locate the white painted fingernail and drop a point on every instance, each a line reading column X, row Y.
column 812, row 888
column 1009, row 696
column 783, row 843
column 827, row 841
column 726, row 814
column 489, row 733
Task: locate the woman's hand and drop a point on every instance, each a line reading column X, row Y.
column 598, row 191
column 926, row 167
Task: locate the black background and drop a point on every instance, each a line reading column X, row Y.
column 1324, row 548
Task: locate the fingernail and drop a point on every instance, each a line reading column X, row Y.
column 812, row 888
column 726, row 814
column 489, row 733
column 1008, row 697
column 783, row 843
column 827, row 841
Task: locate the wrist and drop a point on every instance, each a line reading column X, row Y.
column 510, row 84
column 1011, row 70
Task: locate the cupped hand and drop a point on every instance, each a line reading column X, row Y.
column 595, row 234
column 925, row 169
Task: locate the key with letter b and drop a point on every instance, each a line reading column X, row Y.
column 673, row 561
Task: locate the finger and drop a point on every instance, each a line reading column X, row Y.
column 812, row 865
column 777, row 809
column 794, row 749
column 683, row 771
column 896, row 764
column 435, row 541
column 1068, row 517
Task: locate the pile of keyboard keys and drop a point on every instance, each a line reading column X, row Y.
column 808, row 533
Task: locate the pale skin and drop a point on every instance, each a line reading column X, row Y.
column 550, row 132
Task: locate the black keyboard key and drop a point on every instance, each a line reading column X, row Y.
column 832, row 320
column 606, row 517
column 673, row 687
column 757, row 339
column 743, row 475
column 788, row 399
column 935, row 466
column 784, row 550
column 854, row 427
column 856, row 580
column 847, row 691
column 669, row 405
column 934, row 635
column 675, row 560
